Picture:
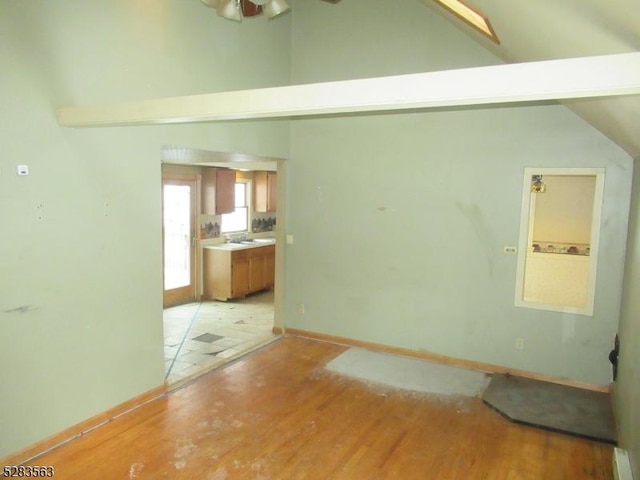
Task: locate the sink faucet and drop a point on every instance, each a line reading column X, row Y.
column 235, row 239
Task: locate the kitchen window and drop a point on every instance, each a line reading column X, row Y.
column 238, row 220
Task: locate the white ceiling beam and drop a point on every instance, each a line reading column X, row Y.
column 600, row 76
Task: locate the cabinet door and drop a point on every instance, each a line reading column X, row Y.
column 270, row 267
column 239, row 275
column 225, row 191
column 217, row 274
column 265, row 191
column 257, row 268
column 208, row 186
column 260, row 191
column 272, row 192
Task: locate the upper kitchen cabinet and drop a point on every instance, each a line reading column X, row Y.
column 265, row 191
column 218, row 187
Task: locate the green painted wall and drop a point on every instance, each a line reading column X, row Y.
column 627, row 387
column 400, row 220
column 80, row 248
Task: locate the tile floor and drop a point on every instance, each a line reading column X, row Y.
column 201, row 336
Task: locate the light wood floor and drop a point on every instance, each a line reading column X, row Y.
column 276, row 414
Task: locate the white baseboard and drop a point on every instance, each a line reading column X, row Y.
column 621, row 465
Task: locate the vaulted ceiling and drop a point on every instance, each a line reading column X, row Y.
column 531, row 30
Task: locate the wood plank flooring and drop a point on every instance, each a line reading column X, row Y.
column 276, row 414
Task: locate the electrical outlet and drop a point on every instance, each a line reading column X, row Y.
column 519, row 343
column 508, row 249
column 301, row 308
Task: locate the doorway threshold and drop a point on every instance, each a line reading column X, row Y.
column 178, row 384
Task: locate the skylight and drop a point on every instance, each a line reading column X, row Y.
column 473, row 17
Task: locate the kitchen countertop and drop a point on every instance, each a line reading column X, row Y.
column 258, row 242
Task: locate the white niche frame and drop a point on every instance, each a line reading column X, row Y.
column 526, row 215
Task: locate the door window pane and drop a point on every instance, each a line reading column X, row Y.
column 177, row 236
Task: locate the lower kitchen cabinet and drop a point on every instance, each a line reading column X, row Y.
column 236, row 273
column 257, row 273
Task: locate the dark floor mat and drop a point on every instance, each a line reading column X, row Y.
column 571, row 410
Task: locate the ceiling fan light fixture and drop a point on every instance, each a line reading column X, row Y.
column 229, row 9
column 250, row 9
column 273, row 8
column 211, row 3
column 238, row 9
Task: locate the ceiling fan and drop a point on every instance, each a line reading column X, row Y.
column 238, row 9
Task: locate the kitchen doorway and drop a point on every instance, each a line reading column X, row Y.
column 178, row 240
column 204, row 334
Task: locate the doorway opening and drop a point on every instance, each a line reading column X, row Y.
column 205, row 332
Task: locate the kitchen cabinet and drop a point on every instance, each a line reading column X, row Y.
column 236, row 273
column 226, row 273
column 270, row 267
column 261, row 268
column 265, row 191
column 257, row 270
column 218, row 191
column 239, row 275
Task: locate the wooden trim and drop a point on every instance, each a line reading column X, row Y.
column 281, row 231
column 277, row 330
column 170, row 175
column 435, row 357
column 489, row 32
column 79, row 429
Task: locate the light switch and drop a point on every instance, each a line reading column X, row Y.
column 22, row 169
column 289, row 239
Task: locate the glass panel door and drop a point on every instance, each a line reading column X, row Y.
column 178, row 227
